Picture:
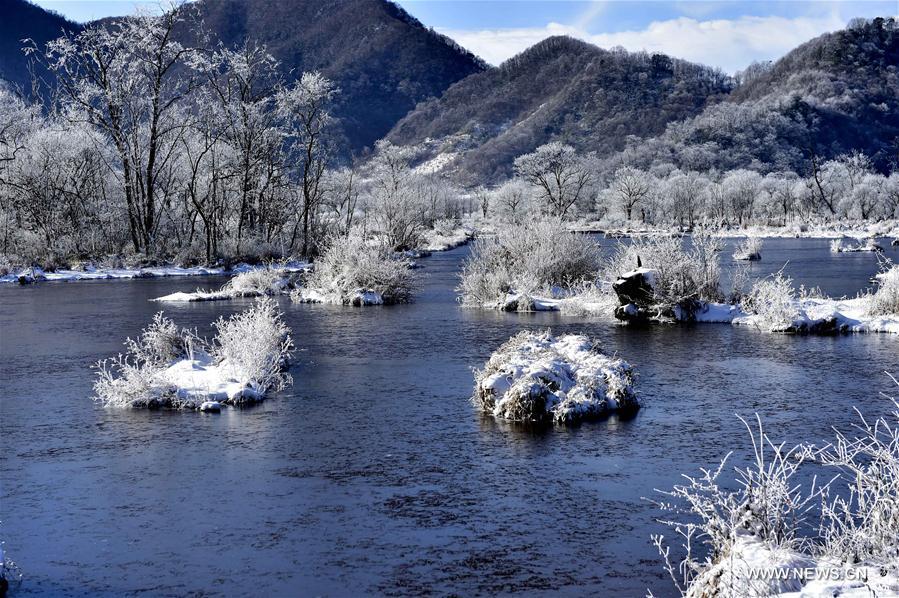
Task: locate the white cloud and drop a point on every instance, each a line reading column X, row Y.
column 730, row 44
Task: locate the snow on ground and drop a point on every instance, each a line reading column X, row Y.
column 538, row 377
column 752, row 568
column 359, row 298
column 200, row 380
column 253, row 283
column 94, row 273
column 446, row 240
column 819, row 315
column 437, row 163
column 588, row 303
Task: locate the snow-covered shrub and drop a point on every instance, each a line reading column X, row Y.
column 171, row 367
column 682, row 275
column 256, row 345
column 773, row 300
column 10, row 574
column 863, row 526
column 254, row 283
column 772, row 523
column 760, row 518
column 159, row 343
column 527, row 260
column 349, row 271
column 126, row 382
column 749, row 249
column 536, row 377
column 885, row 301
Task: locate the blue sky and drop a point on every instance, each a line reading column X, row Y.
column 725, row 33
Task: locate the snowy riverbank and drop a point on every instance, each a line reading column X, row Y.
column 89, row 272
column 825, row 230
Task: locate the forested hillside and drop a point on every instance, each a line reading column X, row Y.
column 21, row 20
column 383, row 60
column 836, row 94
column 561, row 89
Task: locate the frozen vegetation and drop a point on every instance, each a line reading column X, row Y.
column 252, row 283
column 353, row 272
column 656, row 278
column 169, row 367
column 838, row 246
column 774, row 305
column 671, row 280
column 535, row 377
column 750, row 249
column 763, row 533
column 10, row 574
column 528, row 267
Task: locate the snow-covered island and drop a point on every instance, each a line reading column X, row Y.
column 351, row 271
column 169, row 367
column 544, row 267
column 749, row 250
column 536, row 377
column 772, row 305
column 869, row 245
column 261, row 282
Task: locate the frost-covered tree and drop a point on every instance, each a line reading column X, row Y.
column 57, row 187
column 868, row 196
column 561, row 176
column 784, row 190
column 305, row 106
column 629, row 187
column 126, row 77
column 394, row 203
column 741, row 189
column 244, row 82
column 341, row 190
column 684, row 194
column 512, row 200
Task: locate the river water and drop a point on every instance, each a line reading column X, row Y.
column 373, row 474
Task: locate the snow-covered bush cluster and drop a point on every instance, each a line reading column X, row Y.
column 750, row 249
column 525, row 260
column 870, row 245
column 353, row 272
column 535, row 377
column 257, row 282
column 682, row 274
column 773, row 301
column 885, row 300
column 732, row 534
column 171, row 367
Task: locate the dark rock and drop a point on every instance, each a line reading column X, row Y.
column 635, row 287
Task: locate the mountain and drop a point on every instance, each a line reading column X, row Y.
column 559, row 89
column 835, row 94
column 383, row 60
column 21, row 20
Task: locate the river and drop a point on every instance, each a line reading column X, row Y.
column 373, row 474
